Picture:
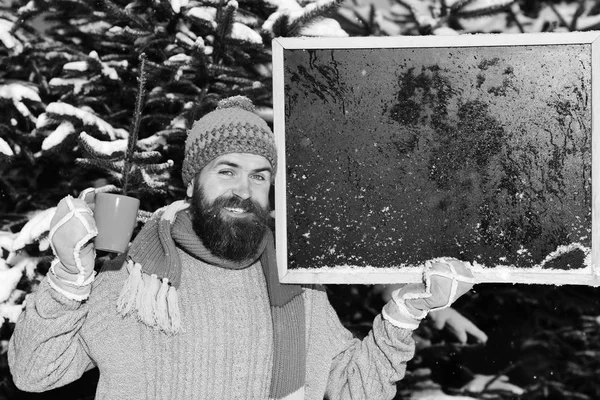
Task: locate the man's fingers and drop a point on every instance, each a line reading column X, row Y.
column 477, row 333
column 439, row 323
column 458, row 332
column 465, row 327
column 457, row 324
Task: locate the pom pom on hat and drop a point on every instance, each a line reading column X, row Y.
column 236, row 102
column 232, row 128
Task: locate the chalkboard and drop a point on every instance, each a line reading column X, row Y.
column 397, row 150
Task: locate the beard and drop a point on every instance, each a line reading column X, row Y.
column 230, row 238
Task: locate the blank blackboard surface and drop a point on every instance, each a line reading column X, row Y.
column 394, row 151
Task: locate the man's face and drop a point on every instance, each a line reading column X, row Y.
column 236, row 174
column 230, row 204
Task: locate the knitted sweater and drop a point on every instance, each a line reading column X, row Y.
column 225, row 351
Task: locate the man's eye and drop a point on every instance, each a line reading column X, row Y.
column 226, row 172
column 259, row 177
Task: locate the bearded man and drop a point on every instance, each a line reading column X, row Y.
column 195, row 309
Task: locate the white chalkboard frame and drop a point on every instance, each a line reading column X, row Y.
column 359, row 275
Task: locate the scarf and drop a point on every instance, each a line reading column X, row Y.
column 150, row 292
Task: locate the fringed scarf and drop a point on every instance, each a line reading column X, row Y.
column 150, row 292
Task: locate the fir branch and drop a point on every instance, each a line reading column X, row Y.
column 151, row 142
column 117, row 114
column 189, row 88
column 414, row 13
column 146, row 157
column 120, row 58
column 312, row 15
column 249, row 19
column 244, row 46
column 120, row 14
column 109, row 188
column 459, row 4
column 100, row 149
column 198, row 22
column 237, row 80
column 25, row 13
column 220, row 87
column 157, row 67
column 160, row 102
column 135, row 126
column 157, row 117
column 249, row 90
column 52, row 50
column 60, row 111
column 152, row 184
column 8, row 16
column 221, row 69
column 176, row 62
column 484, row 12
column 281, row 26
column 225, row 19
column 136, row 33
column 184, row 88
column 162, row 9
column 364, row 22
column 113, row 168
column 158, row 168
column 69, row 5
column 154, row 44
column 578, row 13
column 514, row 18
column 243, row 52
column 156, row 189
column 120, row 47
column 184, row 41
column 135, row 177
column 80, row 22
column 173, row 134
column 560, row 17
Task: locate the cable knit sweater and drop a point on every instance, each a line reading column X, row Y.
column 225, row 351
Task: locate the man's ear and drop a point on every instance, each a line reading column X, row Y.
column 190, row 189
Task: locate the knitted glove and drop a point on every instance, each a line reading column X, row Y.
column 445, row 280
column 71, row 231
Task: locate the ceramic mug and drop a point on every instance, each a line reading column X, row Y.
column 116, row 217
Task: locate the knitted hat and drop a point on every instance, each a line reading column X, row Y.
column 232, row 128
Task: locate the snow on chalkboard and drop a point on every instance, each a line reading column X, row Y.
column 394, row 155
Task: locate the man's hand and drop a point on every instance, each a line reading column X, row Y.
column 71, row 231
column 457, row 325
column 444, row 281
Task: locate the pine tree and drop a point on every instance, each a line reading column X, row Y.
column 84, row 83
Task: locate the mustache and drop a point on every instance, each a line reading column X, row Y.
column 247, row 205
column 235, row 202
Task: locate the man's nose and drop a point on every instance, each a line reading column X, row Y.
column 242, row 189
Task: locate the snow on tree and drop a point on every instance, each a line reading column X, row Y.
column 68, row 91
column 136, row 170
